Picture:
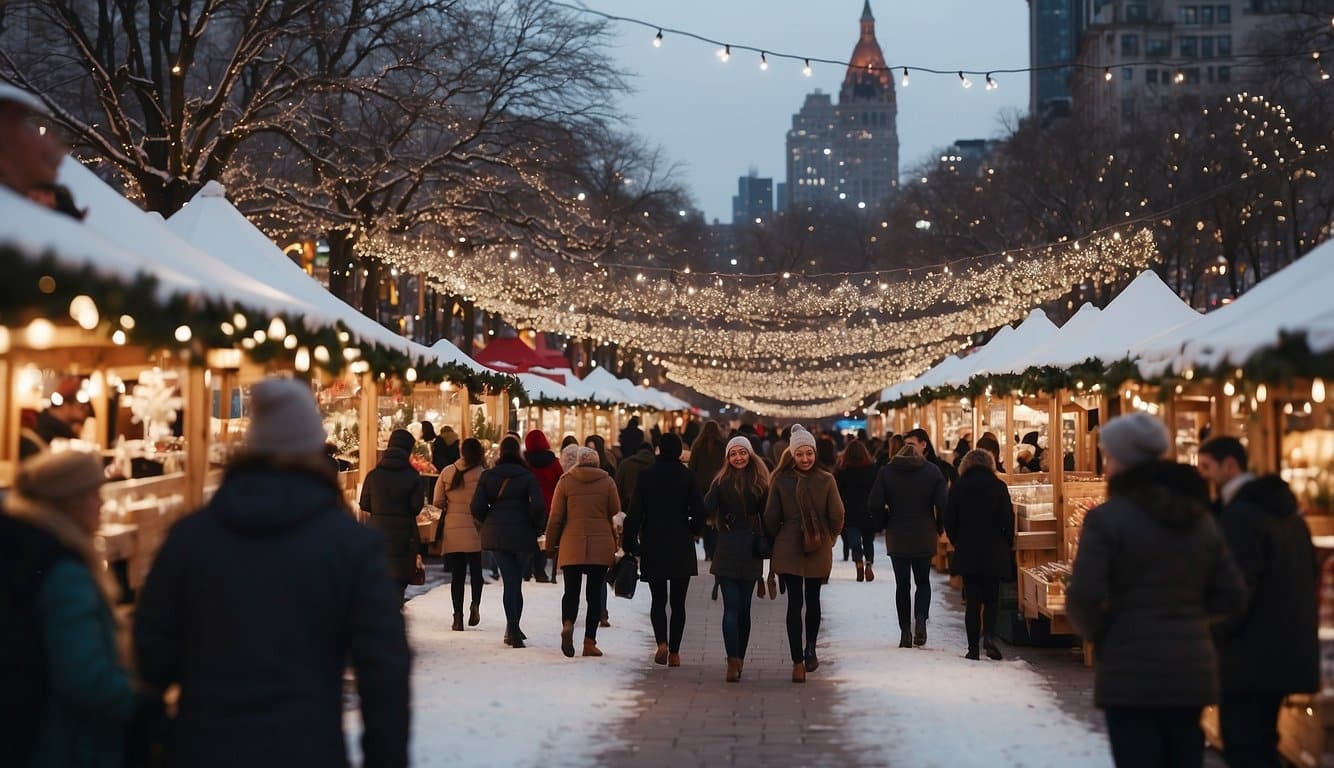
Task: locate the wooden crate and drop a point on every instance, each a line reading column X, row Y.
column 1029, row 525
column 1035, row 540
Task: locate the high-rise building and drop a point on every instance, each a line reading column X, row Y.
column 754, row 200
column 850, row 151
column 1055, row 28
column 1125, row 75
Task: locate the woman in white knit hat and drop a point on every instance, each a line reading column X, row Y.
column 735, row 508
column 805, row 514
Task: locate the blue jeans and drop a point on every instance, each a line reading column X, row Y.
column 862, row 544
column 512, row 565
column 737, row 594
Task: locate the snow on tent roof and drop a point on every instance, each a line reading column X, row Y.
column 1296, row 298
column 541, row 388
column 213, row 224
column 1070, row 342
column 672, row 402
column 445, row 351
column 579, row 386
column 39, row 231
column 608, row 386
column 124, row 224
column 933, row 377
column 999, row 358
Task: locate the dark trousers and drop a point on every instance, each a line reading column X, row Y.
column 981, row 593
column 512, row 565
column 569, row 602
column 538, row 569
column 710, row 538
column 462, row 565
column 908, row 570
column 664, row 591
column 737, row 594
column 802, row 592
column 862, row 544
column 1155, row 738
column 1248, row 723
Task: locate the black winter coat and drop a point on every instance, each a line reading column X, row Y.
column 511, row 522
column 1272, row 646
column 854, row 487
column 979, row 519
column 1151, row 575
column 914, row 492
column 666, row 514
column 393, row 494
column 737, row 517
column 27, row 553
column 255, row 606
column 443, row 455
column 628, row 471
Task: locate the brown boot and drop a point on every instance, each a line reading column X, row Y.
column 773, row 586
column 733, row 670
column 759, row 588
column 799, row 672
column 567, row 639
column 661, row 656
column 591, row 647
column 861, row 571
column 870, row 572
column 740, row 666
column 673, row 659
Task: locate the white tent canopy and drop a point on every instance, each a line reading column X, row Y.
column 542, row 388
column 165, row 254
column 608, row 386
column 1297, row 298
column 215, row 226
column 580, row 387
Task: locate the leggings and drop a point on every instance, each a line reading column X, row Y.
column 799, row 591
column 569, row 602
column 980, row 594
column 662, row 591
column 461, row 565
column 862, row 543
column 906, row 571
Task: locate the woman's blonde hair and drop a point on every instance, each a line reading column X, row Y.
column 755, row 476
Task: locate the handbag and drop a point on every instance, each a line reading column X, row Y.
column 418, row 572
column 627, row 577
column 761, row 544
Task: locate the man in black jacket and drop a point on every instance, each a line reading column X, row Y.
column 1271, row 649
column 258, row 602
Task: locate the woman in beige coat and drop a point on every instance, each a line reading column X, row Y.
column 462, row 543
column 581, row 530
column 804, row 514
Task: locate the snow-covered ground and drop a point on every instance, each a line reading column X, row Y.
column 478, row 702
column 930, row 706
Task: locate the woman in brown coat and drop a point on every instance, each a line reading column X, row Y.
column 462, row 543
column 804, row 514
column 581, row 530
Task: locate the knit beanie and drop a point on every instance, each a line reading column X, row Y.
column 669, row 446
column 799, row 438
column 57, row 477
column 569, row 457
column 588, row 457
column 1135, row 439
column 401, row 438
column 284, row 419
column 740, row 441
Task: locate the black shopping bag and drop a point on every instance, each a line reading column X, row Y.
column 627, row 577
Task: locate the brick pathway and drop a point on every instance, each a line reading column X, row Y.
column 688, row 716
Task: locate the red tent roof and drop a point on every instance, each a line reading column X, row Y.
column 514, row 352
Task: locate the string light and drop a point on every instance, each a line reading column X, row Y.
column 764, row 62
column 657, row 39
column 1107, row 74
column 964, row 81
column 905, row 80
column 806, row 70
column 725, row 53
column 991, row 83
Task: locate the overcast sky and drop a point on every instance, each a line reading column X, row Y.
column 718, row 120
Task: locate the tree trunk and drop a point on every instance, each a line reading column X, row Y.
column 469, row 327
column 341, row 263
column 370, row 290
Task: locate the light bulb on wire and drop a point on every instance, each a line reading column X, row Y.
column 806, row 69
column 991, row 83
column 764, row 62
column 725, row 53
column 964, row 81
column 905, row 77
column 657, row 39
column 1107, row 74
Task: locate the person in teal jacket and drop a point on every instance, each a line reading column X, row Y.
column 79, row 688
